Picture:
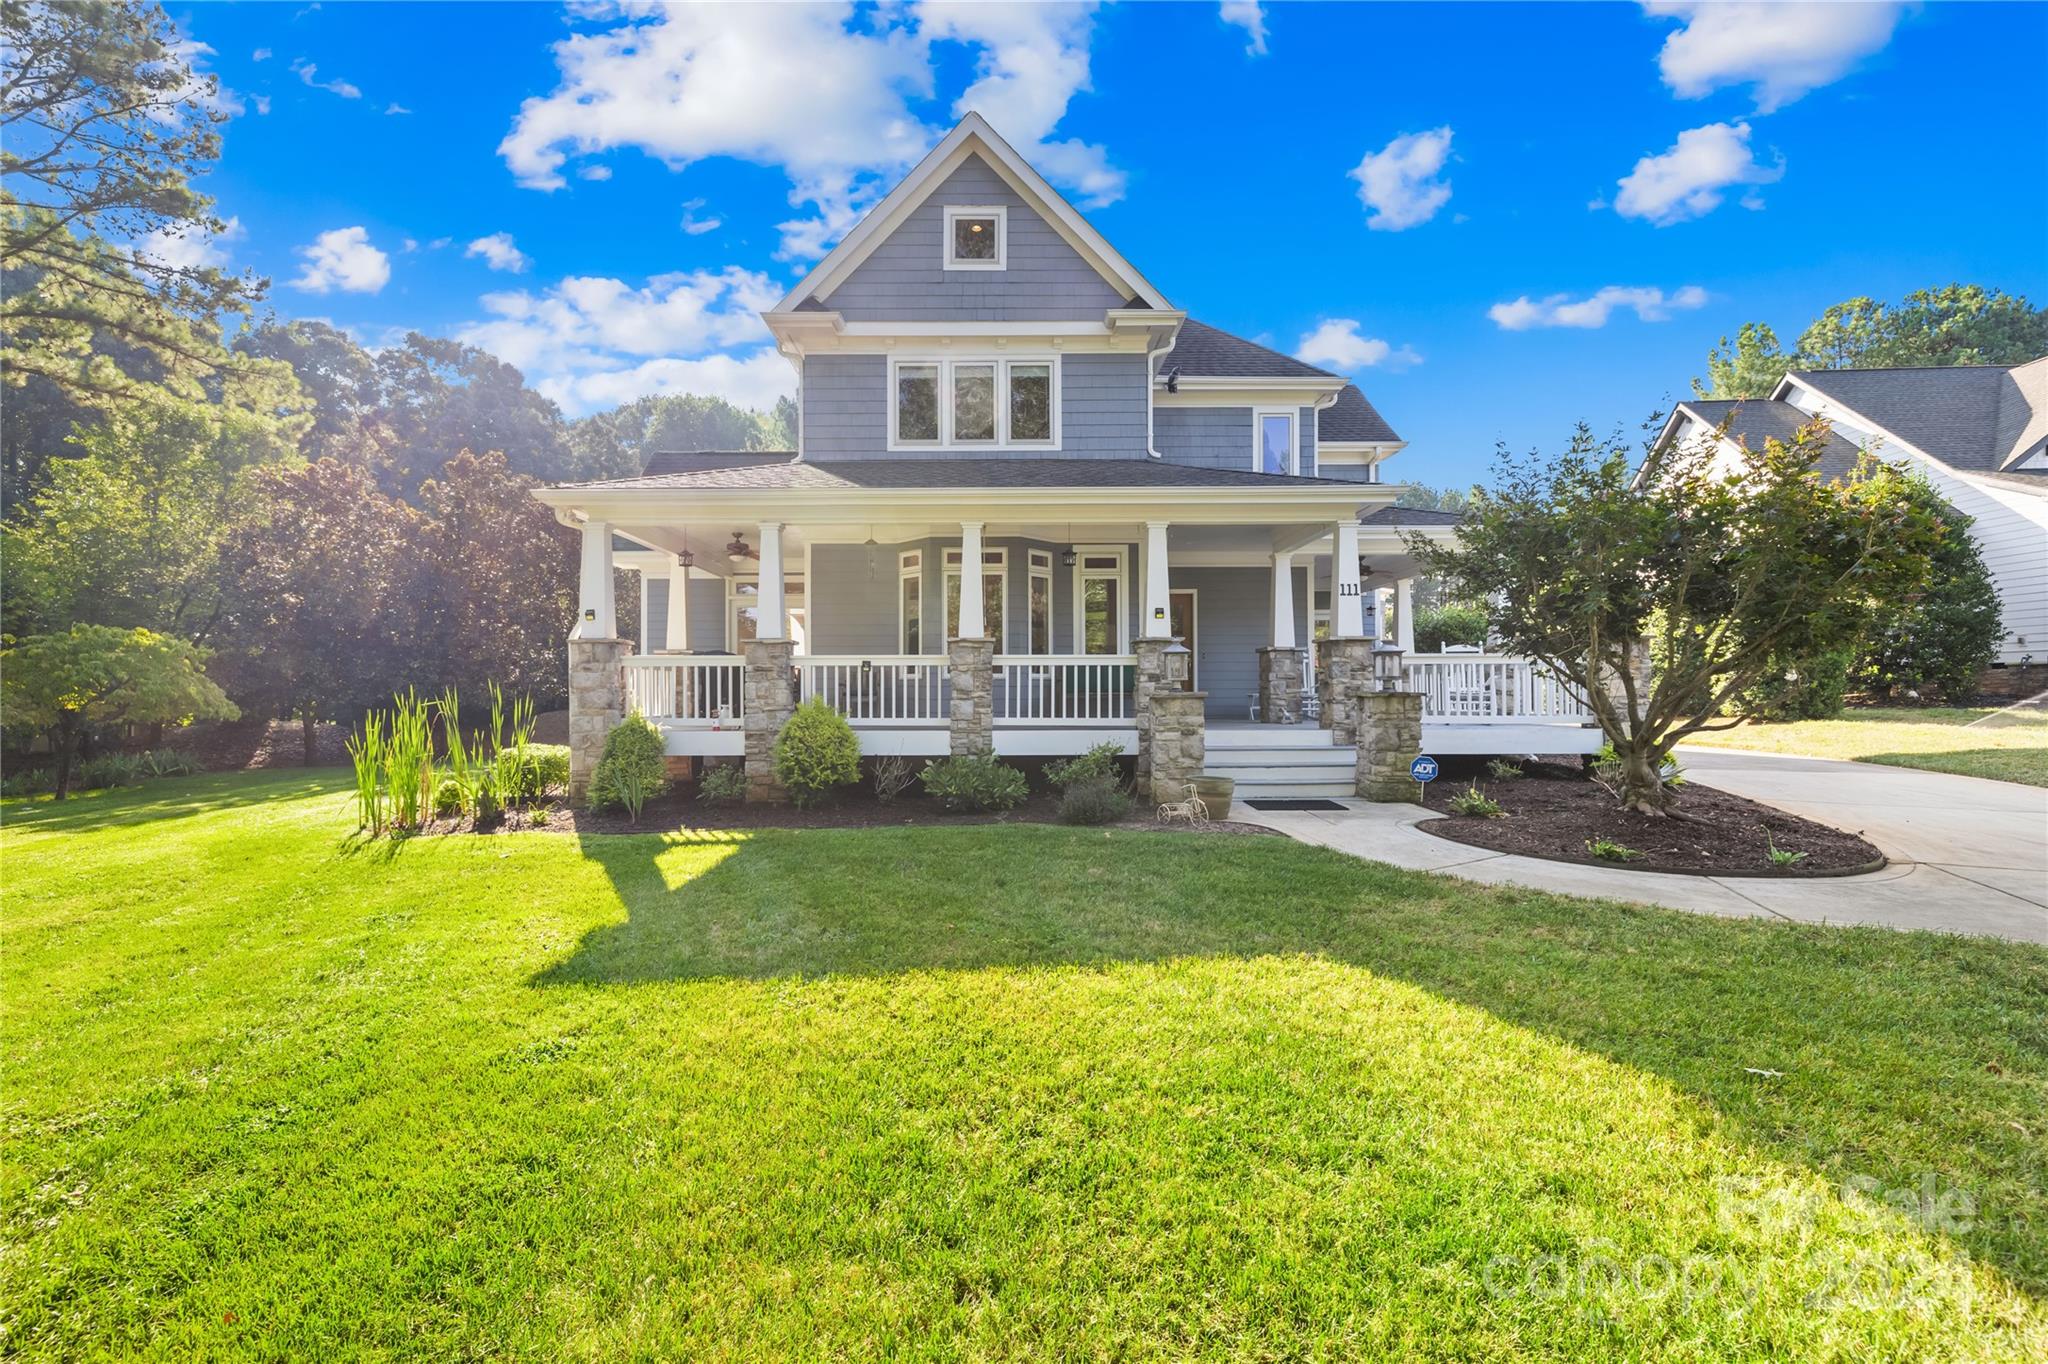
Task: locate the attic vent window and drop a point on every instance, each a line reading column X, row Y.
column 976, row 238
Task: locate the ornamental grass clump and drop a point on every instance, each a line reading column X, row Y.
column 366, row 753
column 633, row 770
column 1474, row 803
column 409, row 761
column 816, row 753
column 1100, row 765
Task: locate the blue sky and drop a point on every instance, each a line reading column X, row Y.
column 603, row 196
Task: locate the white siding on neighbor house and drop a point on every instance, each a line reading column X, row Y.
column 2011, row 530
column 904, row 278
column 1221, row 437
column 1102, row 410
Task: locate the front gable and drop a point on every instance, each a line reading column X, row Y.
column 904, row 276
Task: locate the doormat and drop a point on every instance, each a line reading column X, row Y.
column 1294, row 805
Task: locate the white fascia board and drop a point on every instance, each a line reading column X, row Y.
column 1236, row 505
column 1358, row 451
column 1291, row 384
column 926, row 330
column 970, row 135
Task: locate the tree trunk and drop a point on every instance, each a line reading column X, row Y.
column 1642, row 782
column 308, row 718
column 67, row 754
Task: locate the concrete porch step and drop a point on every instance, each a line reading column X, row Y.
column 1264, row 737
column 1226, row 761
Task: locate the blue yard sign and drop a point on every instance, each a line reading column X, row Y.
column 1423, row 769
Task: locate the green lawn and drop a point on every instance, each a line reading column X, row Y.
column 974, row 1093
column 1941, row 739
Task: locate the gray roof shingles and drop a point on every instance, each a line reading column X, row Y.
column 1951, row 412
column 866, row 474
column 1353, row 418
column 1752, row 421
column 699, row 461
column 1411, row 516
column 1206, row 352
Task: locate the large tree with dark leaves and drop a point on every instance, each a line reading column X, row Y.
column 441, row 397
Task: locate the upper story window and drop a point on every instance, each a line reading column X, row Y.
column 976, row 238
column 972, row 403
column 1273, row 447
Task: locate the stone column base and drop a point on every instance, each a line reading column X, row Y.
column 1389, row 738
column 971, row 676
column 1280, row 684
column 1347, row 671
column 597, row 702
column 1174, row 745
column 768, row 698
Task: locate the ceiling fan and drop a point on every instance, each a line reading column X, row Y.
column 739, row 551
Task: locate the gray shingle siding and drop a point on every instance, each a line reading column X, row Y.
column 707, row 614
column 1221, row 437
column 1231, row 606
column 904, row 279
column 1305, row 435
column 1102, row 410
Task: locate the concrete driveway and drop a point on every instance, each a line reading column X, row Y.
column 1968, row 856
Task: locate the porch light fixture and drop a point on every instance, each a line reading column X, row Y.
column 1069, row 558
column 1386, row 667
column 687, row 557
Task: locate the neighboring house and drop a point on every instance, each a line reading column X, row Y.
column 984, row 380
column 1978, row 432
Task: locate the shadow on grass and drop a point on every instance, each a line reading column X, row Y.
column 2025, row 766
column 169, row 798
column 1858, row 1052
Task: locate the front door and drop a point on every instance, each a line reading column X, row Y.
column 1181, row 625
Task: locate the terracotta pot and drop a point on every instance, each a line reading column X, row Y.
column 1216, row 793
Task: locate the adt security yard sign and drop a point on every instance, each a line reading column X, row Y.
column 1423, row 769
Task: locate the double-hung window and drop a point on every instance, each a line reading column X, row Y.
column 1273, row 445
column 974, row 403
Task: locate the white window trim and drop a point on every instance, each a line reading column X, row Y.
column 1079, row 625
column 792, row 584
column 945, row 365
column 1259, row 415
column 996, row 211
column 909, row 567
column 1038, row 563
column 992, row 557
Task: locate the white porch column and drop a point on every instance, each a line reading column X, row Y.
column 678, row 606
column 774, row 622
column 1404, row 614
column 971, row 618
column 1347, row 615
column 1158, row 622
column 1283, row 602
column 596, row 615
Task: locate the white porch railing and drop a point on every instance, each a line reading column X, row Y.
column 1052, row 689
column 1483, row 688
column 685, row 690
column 899, row 689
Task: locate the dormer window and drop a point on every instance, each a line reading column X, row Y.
column 976, row 238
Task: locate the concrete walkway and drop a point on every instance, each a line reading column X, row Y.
column 1968, row 855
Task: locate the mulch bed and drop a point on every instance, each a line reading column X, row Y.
column 1709, row 833
column 858, row 809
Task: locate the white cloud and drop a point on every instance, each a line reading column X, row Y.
column 499, row 253
column 1783, row 48
column 1250, row 16
column 695, row 225
column 261, row 54
column 262, row 103
column 1562, row 310
column 824, row 92
column 190, row 250
column 201, row 87
column 591, row 342
column 594, row 173
column 343, row 259
column 396, row 108
column 1398, row 184
column 1687, row 181
column 306, row 72
column 1337, row 345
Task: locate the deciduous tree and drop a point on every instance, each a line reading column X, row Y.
column 94, row 675
column 1584, row 564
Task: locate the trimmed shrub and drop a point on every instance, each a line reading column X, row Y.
column 816, row 752
column 976, row 783
column 634, row 767
column 531, row 775
column 725, row 784
column 1436, row 626
column 448, row 800
column 1098, row 801
column 1100, row 764
column 110, row 769
column 1803, row 689
column 1474, row 803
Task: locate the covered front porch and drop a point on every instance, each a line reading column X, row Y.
column 1258, row 604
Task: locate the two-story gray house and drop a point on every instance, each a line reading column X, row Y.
column 1024, row 483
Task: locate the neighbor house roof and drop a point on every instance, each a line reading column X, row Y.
column 767, row 475
column 1972, row 417
column 1752, row 421
column 1206, row 352
column 1352, row 418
